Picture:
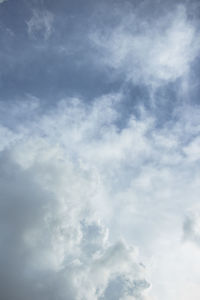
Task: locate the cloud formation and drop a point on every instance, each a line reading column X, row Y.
column 99, row 190
column 52, row 245
column 40, row 24
column 60, row 199
column 151, row 52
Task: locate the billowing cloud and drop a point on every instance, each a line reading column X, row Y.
column 66, row 175
column 53, row 244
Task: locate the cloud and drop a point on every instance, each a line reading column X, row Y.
column 191, row 227
column 40, row 24
column 1, row 1
column 192, row 149
column 148, row 51
column 96, row 194
column 53, row 244
column 67, row 173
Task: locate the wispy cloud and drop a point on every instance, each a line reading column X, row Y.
column 41, row 23
column 151, row 52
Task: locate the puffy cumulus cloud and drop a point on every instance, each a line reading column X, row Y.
column 78, row 190
column 40, row 24
column 148, row 51
column 53, row 244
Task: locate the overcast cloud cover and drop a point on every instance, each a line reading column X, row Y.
column 99, row 150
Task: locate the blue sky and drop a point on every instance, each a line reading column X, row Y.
column 99, row 150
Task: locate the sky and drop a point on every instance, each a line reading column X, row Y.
column 99, row 150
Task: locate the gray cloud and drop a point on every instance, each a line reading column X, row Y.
column 41, row 23
column 191, row 227
column 47, row 253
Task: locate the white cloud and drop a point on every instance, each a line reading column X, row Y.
column 86, row 203
column 192, row 149
column 1, row 1
column 78, row 185
column 151, row 52
column 48, row 213
column 41, row 23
